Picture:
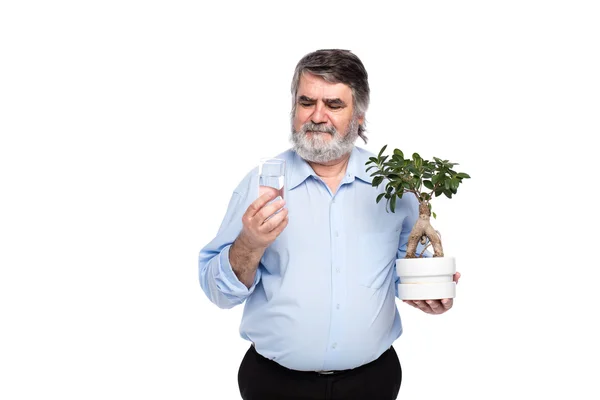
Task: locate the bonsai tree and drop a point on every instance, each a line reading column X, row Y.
column 424, row 179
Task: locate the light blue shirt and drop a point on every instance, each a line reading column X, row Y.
column 324, row 293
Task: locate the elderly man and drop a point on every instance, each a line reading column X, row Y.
column 316, row 268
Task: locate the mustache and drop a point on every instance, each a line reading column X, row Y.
column 312, row 127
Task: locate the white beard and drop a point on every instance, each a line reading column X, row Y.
column 317, row 149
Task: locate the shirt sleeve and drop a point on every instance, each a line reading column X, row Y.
column 217, row 279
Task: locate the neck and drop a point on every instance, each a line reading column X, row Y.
column 331, row 169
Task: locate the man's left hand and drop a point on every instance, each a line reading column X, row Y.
column 434, row 306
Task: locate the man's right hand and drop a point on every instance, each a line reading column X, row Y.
column 258, row 232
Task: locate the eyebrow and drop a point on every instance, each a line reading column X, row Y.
column 334, row 102
column 330, row 102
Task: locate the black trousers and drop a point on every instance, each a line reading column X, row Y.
column 262, row 379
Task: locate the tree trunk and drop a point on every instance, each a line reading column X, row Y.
column 423, row 228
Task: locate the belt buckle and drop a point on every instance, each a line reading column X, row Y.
column 325, row 372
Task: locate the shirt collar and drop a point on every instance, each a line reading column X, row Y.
column 301, row 170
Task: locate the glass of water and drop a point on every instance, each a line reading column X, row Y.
column 271, row 176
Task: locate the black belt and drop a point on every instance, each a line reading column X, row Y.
column 335, row 372
column 321, row 373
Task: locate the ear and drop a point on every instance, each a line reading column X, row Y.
column 361, row 119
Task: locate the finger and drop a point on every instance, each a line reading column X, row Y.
column 410, row 303
column 268, row 211
column 436, row 306
column 420, row 304
column 456, row 277
column 273, row 222
column 264, row 189
column 423, row 306
column 277, row 231
column 447, row 304
column 259, row 203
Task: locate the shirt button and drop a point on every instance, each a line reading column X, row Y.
column 337, row 306
column 333, row 346
column 337, row 234
column 337, row 270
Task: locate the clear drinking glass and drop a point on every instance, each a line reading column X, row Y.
column 271, row 176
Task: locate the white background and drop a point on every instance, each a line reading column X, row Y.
column 125, row 125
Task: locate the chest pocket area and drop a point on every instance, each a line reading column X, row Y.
column 377, row 257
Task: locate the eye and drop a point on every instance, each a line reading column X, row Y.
column 335, row 107
column 305, row 104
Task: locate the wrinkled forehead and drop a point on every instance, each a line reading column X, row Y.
column 317, row 88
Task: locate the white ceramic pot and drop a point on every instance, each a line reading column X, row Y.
column 426, row 278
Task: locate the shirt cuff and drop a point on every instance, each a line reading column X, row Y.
column 228, row 282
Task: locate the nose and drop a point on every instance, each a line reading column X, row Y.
column 319, row 115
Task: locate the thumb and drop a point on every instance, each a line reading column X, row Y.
column 456, row 277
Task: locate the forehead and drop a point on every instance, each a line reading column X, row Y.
column 316, row 87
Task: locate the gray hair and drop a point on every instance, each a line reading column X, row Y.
column 337, row 66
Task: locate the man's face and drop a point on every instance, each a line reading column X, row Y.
column 324, row 126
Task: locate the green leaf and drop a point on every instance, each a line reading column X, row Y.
column 434, row 216
column 382, row 150
column 393, row 204
column 393, row 164
column 447, row 184
column 428, row 185
column 377, row 180
column 399, row 153
column 463, row 175
column 453, row 184
column 415, row 182
column 419, row 163
column 448, row 193
column 380, row 197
